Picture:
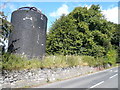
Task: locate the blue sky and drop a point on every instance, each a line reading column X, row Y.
column 54, row 10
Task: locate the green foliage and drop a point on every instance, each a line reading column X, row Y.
column 16, row 62
column 94, row 62
column 60, row 39
column 5, row 28
column 85, row 32
column 112, row 56
column 74, row 60
column 83, row 37
column 82, row 32
column 54, row 61
column 118, row 51
column 116, row 40
column 0, row 62
column 61, row 61
column 89, row 60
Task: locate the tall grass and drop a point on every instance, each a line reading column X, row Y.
column 54, row 62
column 89, row 60
column 61, row 61
column 111, row 56
column 16, row 62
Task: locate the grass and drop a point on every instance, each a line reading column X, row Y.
column 54, row 62
column 16, row 62
column 61, row 61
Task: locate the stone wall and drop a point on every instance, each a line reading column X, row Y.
column 26, row 78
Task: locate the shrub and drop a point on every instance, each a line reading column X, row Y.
column 73, row 60
column 89, row 60
column 111, row 56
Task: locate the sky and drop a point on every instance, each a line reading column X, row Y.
column 53, row 9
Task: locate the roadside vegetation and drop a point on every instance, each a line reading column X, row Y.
column 82, row 38
column 16, row 62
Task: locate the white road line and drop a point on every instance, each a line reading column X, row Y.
column 97, row 84
column 116, row 71
column 98, row 72
column 113, row 76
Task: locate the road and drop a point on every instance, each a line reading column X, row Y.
column 103, row 79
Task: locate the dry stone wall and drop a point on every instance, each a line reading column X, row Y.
column 24, row 78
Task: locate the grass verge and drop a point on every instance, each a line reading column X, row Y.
column 17, row 62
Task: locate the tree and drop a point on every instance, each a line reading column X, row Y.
column 83, row 32
column 5, row 28
column 116, row 37
column 116, row 40
column 60, row 39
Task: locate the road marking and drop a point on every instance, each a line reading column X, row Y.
column 116, row 71
column 97, row 72
column 113, row 76
column 97, row 84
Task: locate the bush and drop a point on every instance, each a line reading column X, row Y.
column 111, row 56
column 89, row 60
column 74, row 60
column 118, row 58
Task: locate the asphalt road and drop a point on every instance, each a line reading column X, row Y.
column 103, row 79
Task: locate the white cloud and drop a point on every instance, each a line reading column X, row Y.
column 85, row 5
column 62, row 10
column 88, row 6
column 111, row 14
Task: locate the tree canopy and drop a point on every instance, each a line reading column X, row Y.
column 84, row 31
